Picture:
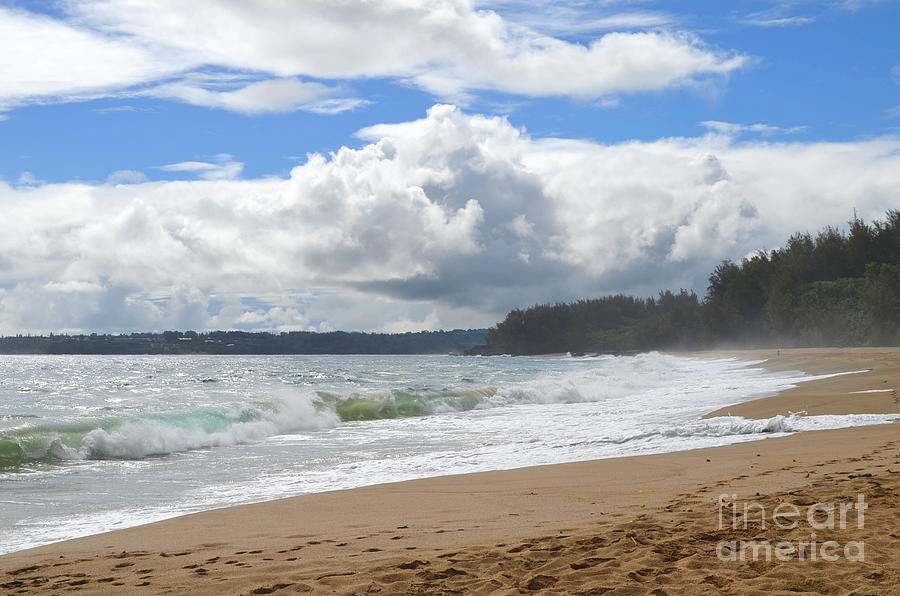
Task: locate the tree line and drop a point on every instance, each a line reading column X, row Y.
column 244, row 342
column 831, row 289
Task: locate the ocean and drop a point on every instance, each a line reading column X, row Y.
column 95, row 443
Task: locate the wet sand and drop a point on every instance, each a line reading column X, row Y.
column 636, row 525
column 832, row 396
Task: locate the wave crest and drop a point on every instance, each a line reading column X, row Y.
column 162, row 434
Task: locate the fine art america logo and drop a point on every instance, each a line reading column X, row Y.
column 818, row 517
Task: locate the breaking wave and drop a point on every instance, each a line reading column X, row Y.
column 161, row 434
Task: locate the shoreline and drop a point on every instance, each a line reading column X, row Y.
column 527, row 529
column 829, row 396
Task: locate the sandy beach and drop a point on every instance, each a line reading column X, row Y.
column 652, row 524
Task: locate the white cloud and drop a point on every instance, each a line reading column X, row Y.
column 188, row 166
column 446, row 47
column 578, row 17
column 448, row 220
column 766, row 130
column 73, row 287
column 121, row 109
column 431, row 322
column 614, row 63
column 520, row 226
column 858, row 5
column 275, row 318
column 573, row 16
column 336, row 105
column 761, row 21
column 45, row 59
column 780, row 13
column 274, row 95
column 28, row 179
column 126, row 177
column 224, row 168
column 626, row 20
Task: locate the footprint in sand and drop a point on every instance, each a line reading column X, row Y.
column 540, row 582
column 412, row 564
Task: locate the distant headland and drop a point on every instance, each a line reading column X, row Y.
column 832, row 289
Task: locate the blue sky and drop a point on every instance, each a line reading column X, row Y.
column 681, row 133
column 827, row 67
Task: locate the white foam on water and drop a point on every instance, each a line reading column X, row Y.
column 142, row 438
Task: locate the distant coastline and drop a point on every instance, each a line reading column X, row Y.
column 248, row 343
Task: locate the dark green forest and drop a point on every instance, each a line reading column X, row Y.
column 832, row 289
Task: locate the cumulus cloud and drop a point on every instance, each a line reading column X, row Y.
column 444, row 221
column 447, row 47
